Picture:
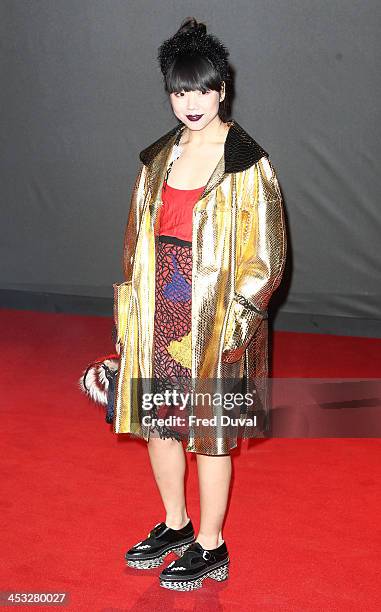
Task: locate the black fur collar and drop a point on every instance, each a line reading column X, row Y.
column 241, row 150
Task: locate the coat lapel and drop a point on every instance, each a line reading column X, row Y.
column 240, row 152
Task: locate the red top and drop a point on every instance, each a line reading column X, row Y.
column 176, row 211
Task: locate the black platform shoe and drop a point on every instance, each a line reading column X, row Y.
column 196, row 564
column 161, row 540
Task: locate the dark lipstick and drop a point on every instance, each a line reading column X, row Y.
column 194, row 117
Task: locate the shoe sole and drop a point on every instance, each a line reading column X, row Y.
column 219, row 574
column 156, row 561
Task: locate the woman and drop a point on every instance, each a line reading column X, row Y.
column 204, row 250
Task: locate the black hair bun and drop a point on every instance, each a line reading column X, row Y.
column 191, row 25
column 192, row 38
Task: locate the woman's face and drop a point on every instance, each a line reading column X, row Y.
column 195, row 108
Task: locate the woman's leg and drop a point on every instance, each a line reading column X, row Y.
column 214, row 473
column 168, row 465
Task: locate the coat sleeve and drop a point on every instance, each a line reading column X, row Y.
column 132, row 226
column 129, row 242
column 260, row 262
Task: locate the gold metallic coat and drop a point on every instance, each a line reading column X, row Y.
column 239, row 252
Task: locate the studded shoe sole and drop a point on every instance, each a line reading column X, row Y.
column 156, row 561
column 219, row 574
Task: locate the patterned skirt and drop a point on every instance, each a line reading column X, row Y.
column 172, row 360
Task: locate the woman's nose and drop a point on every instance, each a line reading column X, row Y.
column 192, row 100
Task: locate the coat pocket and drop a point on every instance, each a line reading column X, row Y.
column 122, row 297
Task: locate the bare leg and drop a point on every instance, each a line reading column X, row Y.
column 214, row 474
column 168, row 465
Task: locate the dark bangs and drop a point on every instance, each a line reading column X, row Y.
column 192, row 72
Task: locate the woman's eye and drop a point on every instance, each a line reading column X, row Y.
column 178, row 94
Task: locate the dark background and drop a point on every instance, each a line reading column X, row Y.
column 82, row 94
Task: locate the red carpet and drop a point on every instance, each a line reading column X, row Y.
column 75, row 496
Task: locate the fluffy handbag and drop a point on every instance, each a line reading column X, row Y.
column 98, row 382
